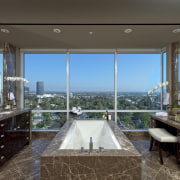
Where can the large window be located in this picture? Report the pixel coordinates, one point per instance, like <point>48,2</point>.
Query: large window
<point>1,77</point>
<point>92,81</point>
<point>48,120</point>
<point>136,75</point>
<point>47,89</point>
<point>134,120</point>
<point>48,77</point>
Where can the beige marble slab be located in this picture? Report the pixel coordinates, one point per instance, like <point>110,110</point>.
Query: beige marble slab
<point>74,164</point>
<point>13,113</point>
<point>167,120</point>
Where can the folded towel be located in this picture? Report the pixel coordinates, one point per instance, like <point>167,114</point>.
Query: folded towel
<point>161,114</point>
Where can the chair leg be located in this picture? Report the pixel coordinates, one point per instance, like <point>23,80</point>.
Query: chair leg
<point>160,152</point>
<point>175,149</point>
<point>151,143</point>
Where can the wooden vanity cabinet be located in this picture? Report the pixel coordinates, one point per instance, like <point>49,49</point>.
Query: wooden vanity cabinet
<point>14,134</point>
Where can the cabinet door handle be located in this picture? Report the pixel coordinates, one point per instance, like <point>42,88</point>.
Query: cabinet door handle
<point>2,157</point>
<point>2,125</point>
<point>2,135</point>
<point>2,146</point>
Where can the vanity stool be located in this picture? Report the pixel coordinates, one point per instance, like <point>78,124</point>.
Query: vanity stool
<point>161,135</point>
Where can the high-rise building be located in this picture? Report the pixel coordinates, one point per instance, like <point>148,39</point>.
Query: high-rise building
<point>26,91</point>
<point>40,88</point>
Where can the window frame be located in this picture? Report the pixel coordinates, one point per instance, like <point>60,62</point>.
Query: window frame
<point>84,51</point>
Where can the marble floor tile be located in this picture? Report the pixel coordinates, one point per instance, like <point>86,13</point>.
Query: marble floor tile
<point>151,167</point>
<point>26,164</point>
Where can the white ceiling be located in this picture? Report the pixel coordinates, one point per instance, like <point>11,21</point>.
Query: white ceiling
<point>13,12</point>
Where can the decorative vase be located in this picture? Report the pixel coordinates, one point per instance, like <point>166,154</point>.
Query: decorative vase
<point>172,111</point>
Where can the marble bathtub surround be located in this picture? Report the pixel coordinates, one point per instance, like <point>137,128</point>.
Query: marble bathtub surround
<point>136,133</point>
<point>49,135</point>
<point>75,164</point>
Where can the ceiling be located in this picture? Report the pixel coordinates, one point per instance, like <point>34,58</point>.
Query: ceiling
<point>152,23</point>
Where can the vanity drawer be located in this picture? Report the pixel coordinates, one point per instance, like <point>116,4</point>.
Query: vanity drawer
<point>2,126</point>
<point>2,147</point>
<point>2,136</point>
<point>2,158</point>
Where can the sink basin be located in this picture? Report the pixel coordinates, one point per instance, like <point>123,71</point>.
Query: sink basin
<point>5,112</point>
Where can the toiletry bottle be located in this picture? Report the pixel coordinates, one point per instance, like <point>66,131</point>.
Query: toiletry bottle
<point>106,115</point>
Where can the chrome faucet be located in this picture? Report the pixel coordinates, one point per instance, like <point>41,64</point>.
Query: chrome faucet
<point>82,149</point>
<point>100,149</point>
<point>90,145</point>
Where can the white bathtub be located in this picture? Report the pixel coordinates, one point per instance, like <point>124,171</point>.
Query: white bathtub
<point>81,130</point>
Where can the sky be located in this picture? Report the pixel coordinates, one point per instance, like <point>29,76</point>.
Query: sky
<point>138,72</point>
<point>93,72</point>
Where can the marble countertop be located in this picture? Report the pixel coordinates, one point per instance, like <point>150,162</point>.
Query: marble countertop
<point>12,113</point>
<point>167,120</point>
<point>127,147</point>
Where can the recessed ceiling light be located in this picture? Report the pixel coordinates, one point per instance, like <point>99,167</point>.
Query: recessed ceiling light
<point>56,30</point>
<point>3,30</point>
<point>176,31</point>
<point>127,31</point>
<point>90,33</point>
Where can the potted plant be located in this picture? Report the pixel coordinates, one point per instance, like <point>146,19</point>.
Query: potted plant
<point>173,109</point>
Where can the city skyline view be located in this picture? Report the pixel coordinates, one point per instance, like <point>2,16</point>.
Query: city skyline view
<point>93,72</point>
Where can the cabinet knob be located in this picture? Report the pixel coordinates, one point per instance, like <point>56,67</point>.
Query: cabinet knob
<point>14,128</point>
<point>2,157</point>
<point>2,135</point>
<point>2,125</point>
<point>27,122</point>
<point>2,146</point>
<point>27,138</point>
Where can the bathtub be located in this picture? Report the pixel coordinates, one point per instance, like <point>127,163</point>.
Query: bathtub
<point>81,130</point>
<point>63,158</point>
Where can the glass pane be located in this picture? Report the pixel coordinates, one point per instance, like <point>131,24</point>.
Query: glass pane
<point>179,75</point>
<point>92,81</point>
<point>136,75</point>
<point>9,89</point>
<point>48,78</point>
<point>133,120</point>
<point>48,120</point>
<point>164,79</point>
<point>92,116</point>
<point>1,77</point>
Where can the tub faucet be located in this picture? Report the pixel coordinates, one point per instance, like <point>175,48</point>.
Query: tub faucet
<point>101,149</point>
<point>82,149</point>
<point>90,145</point>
